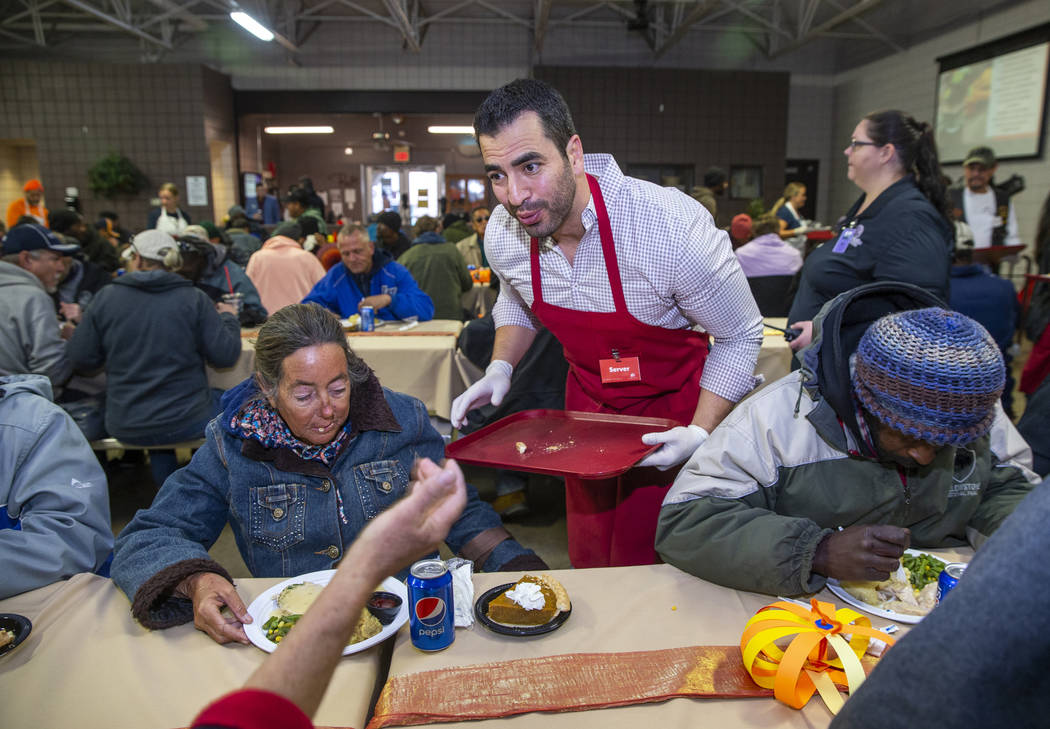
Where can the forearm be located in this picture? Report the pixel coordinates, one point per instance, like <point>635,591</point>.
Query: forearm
<point>711,409</point>
<point>302,666</point>
<point>511,343</point>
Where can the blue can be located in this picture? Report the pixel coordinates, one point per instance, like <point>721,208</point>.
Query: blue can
<point>431,614</point>
<point>368,319</point>
<point>949,579</point>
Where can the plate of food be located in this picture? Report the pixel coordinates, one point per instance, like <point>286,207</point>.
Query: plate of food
<point>534,605</point>
<point>276,611</point>
<point>907,597</point>
<point>14,629</point>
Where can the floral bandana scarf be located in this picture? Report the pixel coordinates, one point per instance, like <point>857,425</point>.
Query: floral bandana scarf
<point>260,422</point>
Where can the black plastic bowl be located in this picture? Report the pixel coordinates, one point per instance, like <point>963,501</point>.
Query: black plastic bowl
<point>17,624</point>
<point>385,606</point>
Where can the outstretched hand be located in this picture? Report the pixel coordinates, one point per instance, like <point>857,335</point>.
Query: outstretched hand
<point>416,524</point>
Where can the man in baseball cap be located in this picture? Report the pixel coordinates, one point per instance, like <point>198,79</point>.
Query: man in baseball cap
<point>786,493</point>
<point>979,203</point>
<point>30,339</point>
<point>31,204</point>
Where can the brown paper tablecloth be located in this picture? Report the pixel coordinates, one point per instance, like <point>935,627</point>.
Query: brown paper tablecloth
<point>88,664</point>
<point>418,362</point>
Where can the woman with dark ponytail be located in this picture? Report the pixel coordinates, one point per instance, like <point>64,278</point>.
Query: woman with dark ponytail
<point>900,229</point>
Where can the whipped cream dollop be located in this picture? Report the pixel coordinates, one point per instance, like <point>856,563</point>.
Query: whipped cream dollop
<point>528,595</point>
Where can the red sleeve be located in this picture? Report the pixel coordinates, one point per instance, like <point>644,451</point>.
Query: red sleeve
<point>253,709</point>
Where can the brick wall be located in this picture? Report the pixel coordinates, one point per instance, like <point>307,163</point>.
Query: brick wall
<point>78,112</point>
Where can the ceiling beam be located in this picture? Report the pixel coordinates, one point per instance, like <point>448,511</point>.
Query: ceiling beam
<point>701,11</point>
<point>543,14</point>
<point>399,12</point>
<point>172,9</point>
<point>126,27</point>
<point>873,30</point>
<point>862,6</point>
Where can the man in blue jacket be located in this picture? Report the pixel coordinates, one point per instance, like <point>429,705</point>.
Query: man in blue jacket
<point>390,288</point>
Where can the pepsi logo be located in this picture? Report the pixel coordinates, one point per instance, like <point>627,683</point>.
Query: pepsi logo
<point>430,610</point>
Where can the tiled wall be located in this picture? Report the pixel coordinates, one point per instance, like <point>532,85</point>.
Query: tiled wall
<point>78,112</point>
<point>809,129</point>
<point>908,81</point>
<point>708,118</point>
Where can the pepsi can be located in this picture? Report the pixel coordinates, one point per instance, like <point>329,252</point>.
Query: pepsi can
<point>949,579</point>
<point>368,319</point>
<point>431,615</point>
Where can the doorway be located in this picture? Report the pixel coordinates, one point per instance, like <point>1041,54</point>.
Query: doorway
<point>409,191</point>
<point>19,164</point>
<point>806,171</point>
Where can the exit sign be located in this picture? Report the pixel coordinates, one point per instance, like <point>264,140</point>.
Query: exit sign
<point>401,153</point>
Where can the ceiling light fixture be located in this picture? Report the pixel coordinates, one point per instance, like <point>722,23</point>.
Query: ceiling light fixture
<point>450,130</point>
<point>252,25</point>
<point>298,130</point>
<point>348,150</point>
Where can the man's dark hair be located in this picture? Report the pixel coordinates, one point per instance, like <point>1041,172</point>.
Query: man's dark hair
<point>298,195</point>
<point>714,177</point>
<point>109,215</point>
<point>507,103</point>
<point>61,221</point>
<point>308,225</point>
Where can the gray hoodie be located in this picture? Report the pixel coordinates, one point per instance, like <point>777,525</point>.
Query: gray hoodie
<point>54,501</point>
<point>29,329</point>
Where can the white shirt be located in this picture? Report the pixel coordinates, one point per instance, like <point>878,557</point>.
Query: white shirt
<point>983,218</point>
<point>677,269</point>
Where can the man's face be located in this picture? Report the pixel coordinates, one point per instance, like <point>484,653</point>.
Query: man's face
<point>904,450</point>
<point>479,220</point>
<point>356,251</point>
<point>79,230</point>
<point>294,208</point>
<point>47,266</point>
<point>978,177</point>
<point>33,197</point>
<point>530,176</point>
<point>260,191</point>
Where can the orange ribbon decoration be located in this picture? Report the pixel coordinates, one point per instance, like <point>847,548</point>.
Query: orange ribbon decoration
<point>806,665</point>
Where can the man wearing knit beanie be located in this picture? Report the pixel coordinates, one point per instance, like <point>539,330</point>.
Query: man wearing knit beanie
<point>784,495</point>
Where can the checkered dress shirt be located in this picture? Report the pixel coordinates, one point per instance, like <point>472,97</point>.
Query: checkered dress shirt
<point>678,271</point>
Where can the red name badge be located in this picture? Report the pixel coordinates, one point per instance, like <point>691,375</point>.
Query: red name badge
<point>626,369</point>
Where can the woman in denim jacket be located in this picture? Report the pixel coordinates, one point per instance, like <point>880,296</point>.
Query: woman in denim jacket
<point>302,457</point>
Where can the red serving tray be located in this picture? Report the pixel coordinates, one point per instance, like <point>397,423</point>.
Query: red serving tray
<point>560,443</point>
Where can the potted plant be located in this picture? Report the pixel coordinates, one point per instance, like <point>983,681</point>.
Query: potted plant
<point>115,175</point>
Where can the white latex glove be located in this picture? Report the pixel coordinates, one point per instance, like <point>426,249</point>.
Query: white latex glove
<point>490,389</point>
<point>678,444</point>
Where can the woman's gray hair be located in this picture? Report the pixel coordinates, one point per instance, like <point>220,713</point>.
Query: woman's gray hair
<point>292,328</point>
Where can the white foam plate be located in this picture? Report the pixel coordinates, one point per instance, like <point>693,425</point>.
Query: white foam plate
<point>840,593</point>
<point>265,604</point>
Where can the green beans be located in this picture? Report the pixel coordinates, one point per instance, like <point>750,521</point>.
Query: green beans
<point>923,569</point>
<point>278,626</point>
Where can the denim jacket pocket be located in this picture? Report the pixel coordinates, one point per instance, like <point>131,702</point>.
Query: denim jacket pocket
<point>278,514</point>
<point>379,484</point>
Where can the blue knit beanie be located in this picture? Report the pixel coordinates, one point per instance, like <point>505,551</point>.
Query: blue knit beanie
<point>931,373</point>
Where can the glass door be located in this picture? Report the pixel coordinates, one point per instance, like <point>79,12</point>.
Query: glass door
<point>408,190</point>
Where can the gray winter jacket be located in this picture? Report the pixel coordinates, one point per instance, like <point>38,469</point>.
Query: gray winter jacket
<point>29,331</point>
<point>54,500</point>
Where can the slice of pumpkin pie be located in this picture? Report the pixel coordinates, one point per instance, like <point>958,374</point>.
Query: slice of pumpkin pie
<point>532,600</point>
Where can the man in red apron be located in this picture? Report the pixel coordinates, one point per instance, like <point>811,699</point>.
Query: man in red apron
<point>619,270</point>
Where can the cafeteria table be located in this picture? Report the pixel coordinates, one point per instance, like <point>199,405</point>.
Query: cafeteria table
<point>88,664</point>
<point>421,361</point>
<point>618,609</point>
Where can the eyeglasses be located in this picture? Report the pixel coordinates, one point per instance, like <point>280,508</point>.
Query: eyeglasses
<point>854,143</point>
